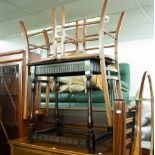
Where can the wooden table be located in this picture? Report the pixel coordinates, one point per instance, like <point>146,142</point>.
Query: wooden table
<point>85,65</point>
<point>22,147</point>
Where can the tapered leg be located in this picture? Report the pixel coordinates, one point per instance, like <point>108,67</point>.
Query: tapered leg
<point>90,135</point>
<point>33,87</point>
<point>56,106</point>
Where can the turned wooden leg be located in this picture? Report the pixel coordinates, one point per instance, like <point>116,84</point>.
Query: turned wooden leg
<point>56,106</point>
<point>31,125</point>
<point>90,135</point>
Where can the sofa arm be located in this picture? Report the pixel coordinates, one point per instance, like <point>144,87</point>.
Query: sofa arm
<point>124,86</point>
<point>125,74</point>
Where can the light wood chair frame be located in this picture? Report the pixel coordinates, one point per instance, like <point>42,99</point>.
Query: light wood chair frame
<point>66,39</point>
<point>30,48</point>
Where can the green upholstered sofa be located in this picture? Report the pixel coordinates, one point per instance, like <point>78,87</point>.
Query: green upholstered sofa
<point>67,99</point>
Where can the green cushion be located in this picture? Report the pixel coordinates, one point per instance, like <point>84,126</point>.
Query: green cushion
<point>73,104</point>
<point>63,97</point>
<point>81,97</point>
<point>52,104</point>
<point>97,97</point>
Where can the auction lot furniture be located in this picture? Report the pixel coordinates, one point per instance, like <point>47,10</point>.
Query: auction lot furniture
<point>59,63</point>
<point>51,48</point>
<point>86,60</point>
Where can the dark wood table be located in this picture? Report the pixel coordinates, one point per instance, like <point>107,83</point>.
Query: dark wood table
<point>85,65</point>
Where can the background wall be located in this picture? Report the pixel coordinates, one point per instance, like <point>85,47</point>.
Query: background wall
<point>140,55</point>
<point>10,45</point>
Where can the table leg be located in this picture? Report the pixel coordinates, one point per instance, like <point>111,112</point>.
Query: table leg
<point>90,135</point>
<point>31,125</point>
<point>56,106</point>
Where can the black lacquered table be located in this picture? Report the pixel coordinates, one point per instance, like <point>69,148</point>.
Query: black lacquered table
<point>67,67</point>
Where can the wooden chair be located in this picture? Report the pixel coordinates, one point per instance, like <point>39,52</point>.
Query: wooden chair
<point>98,50</point>
<point>127,124</point>
<point>31,48</point>
<point>123,128</point>
<point>136,148</point>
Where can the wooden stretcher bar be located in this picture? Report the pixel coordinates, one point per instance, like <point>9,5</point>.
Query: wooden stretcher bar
<point>96,48</point>
<point>36,47</point>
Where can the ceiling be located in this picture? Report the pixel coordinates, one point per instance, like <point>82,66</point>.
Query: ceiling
<point>138,22</point>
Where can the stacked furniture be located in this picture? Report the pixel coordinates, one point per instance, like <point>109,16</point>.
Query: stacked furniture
<point>78,64</point>
<point>86,60</point>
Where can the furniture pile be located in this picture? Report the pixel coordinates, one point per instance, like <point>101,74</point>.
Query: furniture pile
<point>86,56</point>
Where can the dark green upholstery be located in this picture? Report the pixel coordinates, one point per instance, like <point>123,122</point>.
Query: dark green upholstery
<point>68,99</point>
<point>125,80</point>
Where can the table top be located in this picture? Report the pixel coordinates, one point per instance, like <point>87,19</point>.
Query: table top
<point>108,59</point>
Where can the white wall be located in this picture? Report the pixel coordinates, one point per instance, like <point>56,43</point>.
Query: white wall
<point>11,45</point>
<point>140,55</point>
